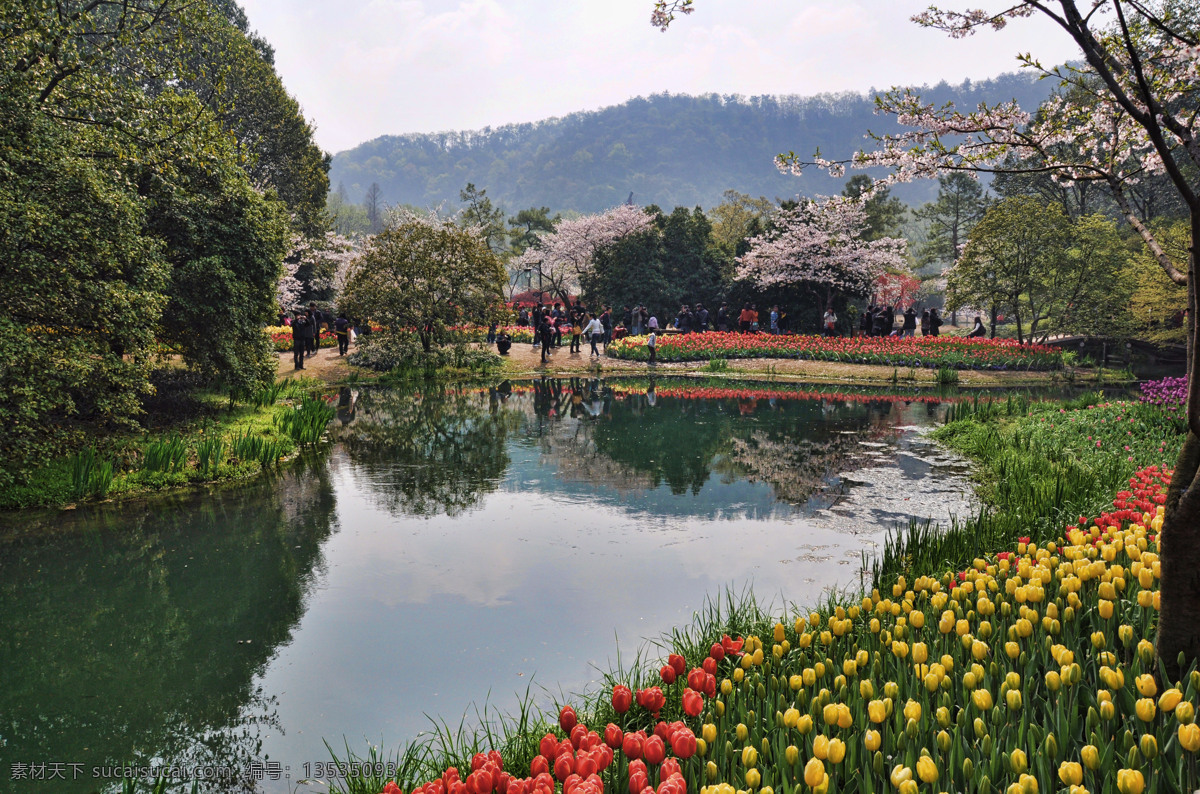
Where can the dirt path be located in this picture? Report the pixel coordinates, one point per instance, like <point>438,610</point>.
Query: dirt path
<point>325,365</point>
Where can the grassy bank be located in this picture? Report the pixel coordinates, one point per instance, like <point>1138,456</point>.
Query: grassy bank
<point>209,442</point>
<point>963,667</point>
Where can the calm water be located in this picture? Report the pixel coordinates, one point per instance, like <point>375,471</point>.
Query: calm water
<point>450,545</point>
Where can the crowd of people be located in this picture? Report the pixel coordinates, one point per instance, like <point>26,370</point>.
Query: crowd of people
<point>881,321</point>
<point>307,324</point>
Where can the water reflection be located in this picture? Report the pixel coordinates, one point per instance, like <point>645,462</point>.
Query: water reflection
<point>239,626</point>
<point>136,633</point>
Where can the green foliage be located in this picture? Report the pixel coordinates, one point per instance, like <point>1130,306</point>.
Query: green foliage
<point>1051,273</point>
<point>168,455</point>
<point>210,453</point>
<point>91,475</point>
<point>479,213</point>
<point>674,262</point>
<point>959,206</point>
<point>1157,304</point>
<point>81,290</point>
<point>425,274</point>
<point>884,211</point>
<point>306,422</point>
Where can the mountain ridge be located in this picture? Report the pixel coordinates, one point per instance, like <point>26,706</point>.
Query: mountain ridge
<point>667,149</point>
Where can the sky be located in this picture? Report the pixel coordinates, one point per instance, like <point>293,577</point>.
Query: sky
<point>365,68</point>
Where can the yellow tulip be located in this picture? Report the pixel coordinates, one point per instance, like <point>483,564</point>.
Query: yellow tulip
<point>1053,681</point>
<point>709,732</point>
<point>982,699</point>
<point>1146,686</point>
<point>814,772</point>
<point>926,769</point>
<point>804,725</point>
<point>1148,746</point>
<point>791,754</point>
<point>1070,773</point>
<point>1189,737</point>
<point>1013,699</point>
<point>845,718</point>
<point>1130,781</point>
<point>1145,709</point>
<point>749,757</point>
<point>778,632</point>
<point>830,714</point>
<point>753,778</point>
<point>837,751</point>
<point>1090,756</point>
<point>872,740</point>
<point>912,710</point>
<point>1185,712</point>
<point>900,774</point>
<point>1170,699</point>
<point>821,746</point>
<point>1019,762</point>
<point>877,711</point>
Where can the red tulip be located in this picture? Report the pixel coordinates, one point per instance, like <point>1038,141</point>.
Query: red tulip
<point>567,718</point>
<point>565,748</point>
<point>654,700</point>
<point>637,782</point>
<point>457,787</point>
<point>564,766</point>
<point>613,736</point>
<point>655,750</point>
<point>622,698</point>
<point>450,776</point>
<point>585,765</point>
<point>502,782</point>
<point>578,734</point>
<point>693,703</point>
<point>695,679</point>
<point>669,769</point>
<point>571,783</point>
<point>548,745</point>
<point>592,740</point>
<point>710,686</point>
<point>638,765</point>
<point>667,674</point>
<point>477,761</point>
<point>709,665</point>
<point>631,745</point>
<point>677,661</point>
<point>605,758</point>
<point>683,744</point>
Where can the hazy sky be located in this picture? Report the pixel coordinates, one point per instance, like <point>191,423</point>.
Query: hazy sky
<point>364,68</point>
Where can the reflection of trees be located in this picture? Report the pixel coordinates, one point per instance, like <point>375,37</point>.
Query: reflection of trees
<point>136,632</point>
<point>431,452</point>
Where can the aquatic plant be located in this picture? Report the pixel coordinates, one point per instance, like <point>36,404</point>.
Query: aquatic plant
<point>210,453</point>
<point>165,456</point>
<point>306,422</point>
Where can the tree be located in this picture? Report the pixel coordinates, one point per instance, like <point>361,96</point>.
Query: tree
<point>373,204</point>
<point>820,246</point>
<point>525,226</point>
<point>1157,304</point>
<point>884,212</point>
<point>480,213</point>
<point>81,289</point>
<point>318,266</point>
<point>563,257</point>
<point>738,218</point>
<point>428,274</point>
<point>1130,112</point>
<point>959,206</point>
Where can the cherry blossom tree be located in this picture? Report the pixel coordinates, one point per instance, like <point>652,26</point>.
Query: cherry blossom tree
<point>1129,110</point>
<point>819,244</point>
<point>563,256</point>
<point>316,265</point>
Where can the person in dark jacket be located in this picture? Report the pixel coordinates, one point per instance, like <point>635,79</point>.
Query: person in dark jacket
<point>978,331</point>
<point>341,327</point>
<point>723,317</point>
<point>935,322</point>
<point>910,322</point>
<point>301,330</point>
<point>925,323</point>
<point>545,335</point>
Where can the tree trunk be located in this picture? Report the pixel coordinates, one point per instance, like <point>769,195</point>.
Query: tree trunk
<point>992,312</point>
<point>1179,540</point>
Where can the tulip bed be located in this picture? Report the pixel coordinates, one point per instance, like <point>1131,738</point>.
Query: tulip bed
<point>920,351</point>
<point>281,337</point>
<point>1031,670</point>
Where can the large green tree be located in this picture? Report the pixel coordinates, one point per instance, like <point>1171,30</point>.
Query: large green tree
<point>959,206</point>
<point>428,274</point>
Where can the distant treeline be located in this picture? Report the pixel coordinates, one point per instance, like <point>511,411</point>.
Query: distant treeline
<point>669,150</point>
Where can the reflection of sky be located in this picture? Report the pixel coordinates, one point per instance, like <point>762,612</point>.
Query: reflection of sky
<point>541,583</point>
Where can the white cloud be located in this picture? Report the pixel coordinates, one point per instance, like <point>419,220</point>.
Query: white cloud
<point>364,68</point>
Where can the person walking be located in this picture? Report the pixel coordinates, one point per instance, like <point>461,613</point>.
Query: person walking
<point>701,318</point>
<point>300,330</point>
<point>576,330</point>
<point>319,321</point>
<point>652,323</point>
<point>546,337</point>
<point>745,318</point>
<point>935,322</point>
<point>652,346</point>
<point>829,322</point>
<point>723,318</point>
<point>341,327</point>
<point>925,323</point>
<point>774,320</point>
<point>606,322</point>
<point>594,331</point>
<point>910,322</point>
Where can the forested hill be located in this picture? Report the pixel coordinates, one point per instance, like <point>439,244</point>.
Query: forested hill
<point>670,150</point>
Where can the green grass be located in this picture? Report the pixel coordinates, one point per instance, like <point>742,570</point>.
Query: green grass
<point>217,444</point>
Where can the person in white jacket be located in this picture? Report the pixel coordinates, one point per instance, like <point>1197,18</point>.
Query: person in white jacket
<point>594,332</point>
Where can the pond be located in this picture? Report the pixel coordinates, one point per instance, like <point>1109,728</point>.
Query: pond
<point>453,547</point>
